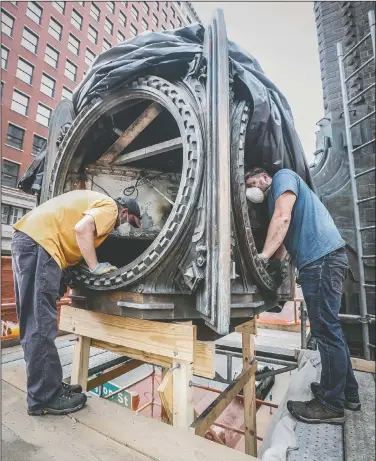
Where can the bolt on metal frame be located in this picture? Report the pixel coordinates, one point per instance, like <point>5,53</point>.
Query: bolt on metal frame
<point>364,317</point>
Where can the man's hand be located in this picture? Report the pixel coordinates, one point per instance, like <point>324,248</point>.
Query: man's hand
<point>263,258</point>
<point>103,268</point>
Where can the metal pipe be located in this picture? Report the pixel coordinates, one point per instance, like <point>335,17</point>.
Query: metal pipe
<point>354,196</point>
<point>241,397</point>
<point>362,173</point>
<point>359,69</point>
<point>278,371</point>
<point>238,431</point>
<point>368,143</point>
<point>355,46</point>
<point>128,385</point>
<point>372,26</point>
<point>368,199</point>
<point>257,357</point>
<point>351,100</point>
<point>363,118</point>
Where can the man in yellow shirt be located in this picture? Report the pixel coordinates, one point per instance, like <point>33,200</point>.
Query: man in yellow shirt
<point>53,236</point>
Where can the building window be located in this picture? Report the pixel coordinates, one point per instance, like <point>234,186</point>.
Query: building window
<point>29,40</point>
<point>172,12</point>
<point>145,25</point>
<point>125,4</point>
<point>20,102</point>
<point>7,23</point>
<point>145,7</point>
<point>155,20</point>
<point>106,45</point>
<point>9,174</point>
<point>15,136</point>
<point>14,3</point>
<point>74,44</point>
<point>89,56</point>
<point>51,57</point>
<point>34,11</point>
<point>55,29</point>
<point>122,19</point>
<point>92,35</point>
<point>38,143</point>
<point>179,22</point>
<point>108,26</point>
<point>66,93</point>
<point>189,20</point>
<point>111,7</point>
<point>11,214</point>
<point>25,71</point>
<point>4,57</point>
<point>164,14</point>
<point>70,70</point>
<point>156,5</point>
<point>172,25</point>
<point>133,30</point>
<point>95,12</point>
<point>1,91</point>
<point>120,37</point>
<point>81,3</point>
<point>60,6</point>
<point>47,85</point>
<point>43,115</point>
<point>134,12</point>
<point>76,20</point>
<point>163,28</point>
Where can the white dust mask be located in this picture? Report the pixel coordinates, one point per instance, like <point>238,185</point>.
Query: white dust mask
<point>255,195</point>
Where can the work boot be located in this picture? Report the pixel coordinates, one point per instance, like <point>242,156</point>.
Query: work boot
<point>71,387</point>
<point>313,412</point>
<point>351,403</point>
<point>66,402</point>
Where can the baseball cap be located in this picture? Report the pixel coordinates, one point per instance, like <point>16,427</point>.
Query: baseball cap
<point>129,203</point>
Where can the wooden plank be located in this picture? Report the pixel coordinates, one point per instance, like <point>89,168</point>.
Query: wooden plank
<point>158,441</point>
<point>182,402</point>
<point>207,418</point>
<point>53,438</point>
<point>150,151</point>
<point>249,392</point>
<point>203,364</point>
<point>247,327</point>
<point>369,366</point>
<point>113,373</point>
<point>131,133</point>
<point>165,391</point>
<point>168,339</point>
<point>80,362</point>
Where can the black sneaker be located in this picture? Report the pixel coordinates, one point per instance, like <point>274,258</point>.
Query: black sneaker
<point>66,402</point>
<point>313,412</point>
<point>351,403</point>
<point>71,387</point>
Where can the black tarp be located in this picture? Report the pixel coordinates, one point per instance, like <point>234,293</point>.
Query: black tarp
<point>272,141</point>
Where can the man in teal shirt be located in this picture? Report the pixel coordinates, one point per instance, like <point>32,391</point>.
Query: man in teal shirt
<point>301,224</point>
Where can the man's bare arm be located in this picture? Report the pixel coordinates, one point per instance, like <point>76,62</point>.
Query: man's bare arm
<point>280,253</point>
<point>85,232</point>
<point>279,224</point>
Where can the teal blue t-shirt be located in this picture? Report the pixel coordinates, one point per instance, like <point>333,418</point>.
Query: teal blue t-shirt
<point>312,233</point>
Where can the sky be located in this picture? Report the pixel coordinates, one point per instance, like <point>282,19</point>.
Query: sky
<point>282,37</point>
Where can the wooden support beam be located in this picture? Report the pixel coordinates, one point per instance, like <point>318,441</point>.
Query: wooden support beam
<point>150,151</point>
<point>248,327</point>
<point>167,339</point>
<point>249,392</point>
<point>368,366</point>
<point>183,410</point>
<point>165,391</point>
<point>80,362</point>
<point>207,418</point>
<point>113,373</point>
<point>203,363</point>
<point>131,133</point>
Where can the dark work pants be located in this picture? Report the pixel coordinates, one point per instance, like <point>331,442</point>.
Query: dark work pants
<point>321,283</point>
<point>37,280</point>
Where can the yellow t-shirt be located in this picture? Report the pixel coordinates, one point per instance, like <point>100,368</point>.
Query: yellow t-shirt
<point>52,223</point>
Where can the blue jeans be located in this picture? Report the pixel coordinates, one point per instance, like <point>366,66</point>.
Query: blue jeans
<point>321,283</point>
<point>36,284</point>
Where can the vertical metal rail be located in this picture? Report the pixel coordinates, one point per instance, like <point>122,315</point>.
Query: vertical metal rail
<point>353,175</point>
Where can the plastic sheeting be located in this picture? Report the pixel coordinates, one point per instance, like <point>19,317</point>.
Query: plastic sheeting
<point>272,141</point>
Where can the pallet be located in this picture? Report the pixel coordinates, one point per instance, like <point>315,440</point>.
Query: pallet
<point>174,347</point>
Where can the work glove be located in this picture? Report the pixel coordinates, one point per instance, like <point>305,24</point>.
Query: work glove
<point>274,267</point>
<point>103,268</point>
